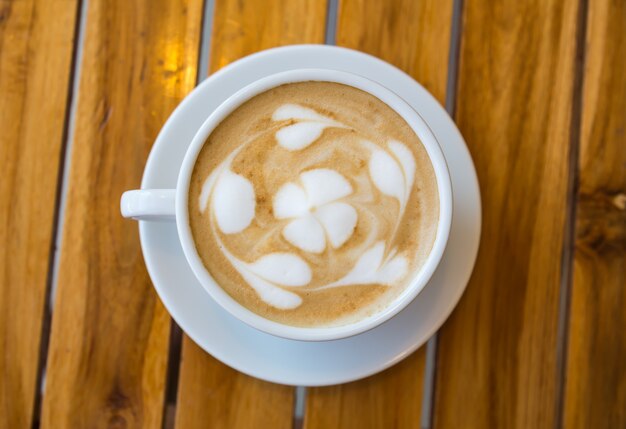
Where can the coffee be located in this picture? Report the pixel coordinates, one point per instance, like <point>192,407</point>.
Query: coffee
<point>313,204</point>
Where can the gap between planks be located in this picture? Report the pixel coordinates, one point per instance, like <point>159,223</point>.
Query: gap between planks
<point>567,258</point>
<point>176,333</point>
<point>428,403</point>
<point>61,199</point>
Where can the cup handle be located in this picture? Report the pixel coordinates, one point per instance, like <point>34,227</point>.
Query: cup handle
<point>149,204</point>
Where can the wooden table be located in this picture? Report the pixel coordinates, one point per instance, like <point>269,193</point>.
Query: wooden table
<point>538,89</point>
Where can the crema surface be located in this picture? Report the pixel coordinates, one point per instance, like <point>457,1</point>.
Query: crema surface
<point>313,204</point>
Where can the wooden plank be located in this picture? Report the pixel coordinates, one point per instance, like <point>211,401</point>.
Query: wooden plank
<point>391,399</point>
<point>109,345</point>
<point>242,28</point>
<point>414,36</point>
<point>497,353</point>
<point>595,390</point>
<point>35,69</point>
<point>216,396</point>
<point>209,392</point>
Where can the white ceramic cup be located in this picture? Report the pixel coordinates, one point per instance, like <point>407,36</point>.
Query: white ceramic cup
<point>172,204</point>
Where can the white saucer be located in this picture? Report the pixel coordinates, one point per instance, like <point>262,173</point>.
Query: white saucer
<point>293,362</point>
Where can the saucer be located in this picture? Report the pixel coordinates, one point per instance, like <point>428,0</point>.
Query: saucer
<point>277,359</point>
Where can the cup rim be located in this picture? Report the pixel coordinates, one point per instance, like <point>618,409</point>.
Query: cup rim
<point>421,277</point>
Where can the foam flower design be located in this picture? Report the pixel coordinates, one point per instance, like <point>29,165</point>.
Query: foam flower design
<point>317,216</point>
<point>306,128</point>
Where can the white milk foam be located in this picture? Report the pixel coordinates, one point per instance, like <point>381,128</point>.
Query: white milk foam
<point>309,127</point>
<point>319,206</point>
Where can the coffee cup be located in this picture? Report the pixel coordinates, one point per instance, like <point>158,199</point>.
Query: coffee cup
<point>173,205</point>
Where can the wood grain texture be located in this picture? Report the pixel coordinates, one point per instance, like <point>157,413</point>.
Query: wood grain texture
<point>35,69</point>
<point>109,345</point>
<point>497,353</point>
<point>391,399</point>
<point>216,396</point>
<point>209,392</point>
<point>414,36</point>
<point>595,390</point>
<point>241,28</point>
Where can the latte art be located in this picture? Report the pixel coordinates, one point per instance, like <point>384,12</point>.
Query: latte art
<point>315,210</point>
<point>312,203</point>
